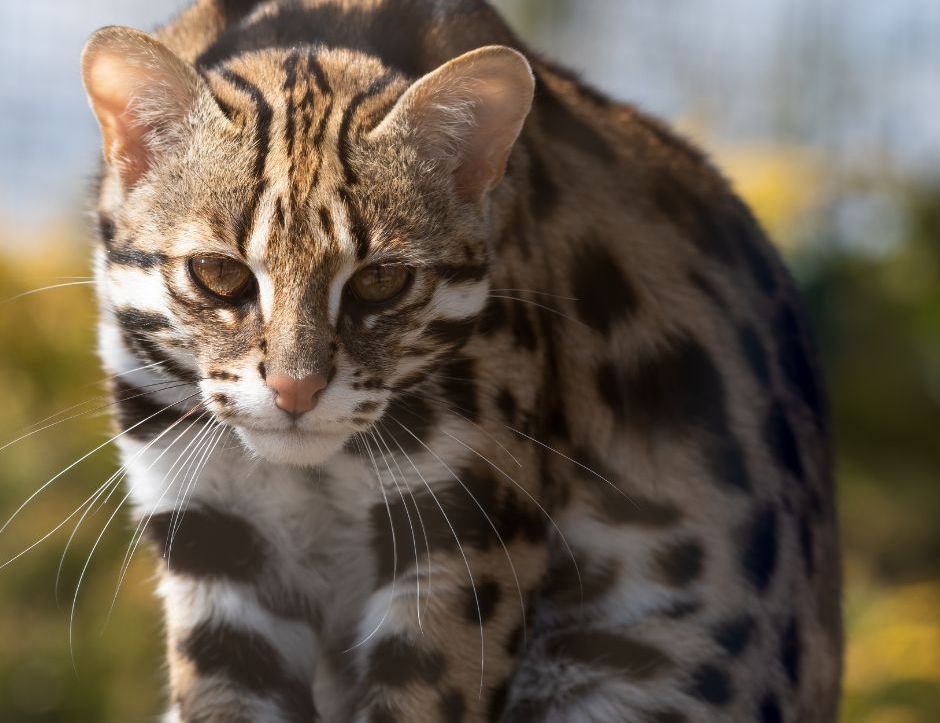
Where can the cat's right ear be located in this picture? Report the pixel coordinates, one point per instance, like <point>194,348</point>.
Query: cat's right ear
<point>141,94</point>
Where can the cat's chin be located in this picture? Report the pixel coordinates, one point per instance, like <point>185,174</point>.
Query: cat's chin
<point>292,447</point>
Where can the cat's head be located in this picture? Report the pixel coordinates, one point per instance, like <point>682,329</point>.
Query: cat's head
<point>302,233</point>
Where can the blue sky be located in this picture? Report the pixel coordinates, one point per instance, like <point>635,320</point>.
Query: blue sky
<point>860,80</point>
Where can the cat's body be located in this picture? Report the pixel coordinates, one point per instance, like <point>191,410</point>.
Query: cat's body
<point>600,353</point>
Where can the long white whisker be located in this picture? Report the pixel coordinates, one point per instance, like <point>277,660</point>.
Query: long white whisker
<point>45,288</point>
<point>67,469</point>
<point>538,504</point>
<point>541,306</point>
<point>391,529</point>
<point>466,562</point>
<point>377,436</point>
<point>145,519</point>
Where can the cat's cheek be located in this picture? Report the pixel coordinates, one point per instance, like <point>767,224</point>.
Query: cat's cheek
<point>293,448</point>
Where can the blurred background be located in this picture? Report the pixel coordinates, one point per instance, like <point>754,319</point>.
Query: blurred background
<point>826,115</point>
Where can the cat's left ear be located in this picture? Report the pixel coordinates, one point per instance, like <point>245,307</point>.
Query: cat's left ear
<point>141,94</point>
<point>468,114</point>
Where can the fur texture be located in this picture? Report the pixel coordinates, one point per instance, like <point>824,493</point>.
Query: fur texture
<point>578,471</point>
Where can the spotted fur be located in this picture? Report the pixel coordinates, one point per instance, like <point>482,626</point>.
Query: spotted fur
<point>577,472</point>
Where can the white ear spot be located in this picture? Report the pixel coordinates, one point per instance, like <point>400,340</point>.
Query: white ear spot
<point>468,113</point>
<point>141,94</point>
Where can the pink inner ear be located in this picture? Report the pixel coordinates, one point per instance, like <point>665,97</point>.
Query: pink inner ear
<point>112,85</point>
<point>487,144</point>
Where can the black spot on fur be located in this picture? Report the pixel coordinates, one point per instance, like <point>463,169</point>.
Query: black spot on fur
<point>615,508</point>
<point>523,330</point>
<point>681,563</point>
<point>367,407</point>
<point>780,437</point>
<point>699,216</point>
<point>791,651</point>
<point>680,392</point>
<point>734,634</point>
<point>567,126</point>
<point>494,317</point>
<point>453,707</point>
<point>759,555</point>
<point>488,594</point>
<point>712,684</point>
<point>497,704</point>
<point>544,191</point>
<point>262,370</point>
<point>459,389</point>
<point>604,296</point>
<point>563,584</point>
<point>754,352</point>
<point>795,363</point>
<point>770,709</point>
<point>248,662</point>
<point>628,656</point>
<point>506,403</point>
<point>204,542</point>
<point>396,663</point>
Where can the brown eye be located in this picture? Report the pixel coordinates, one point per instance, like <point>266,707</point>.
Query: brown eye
<point>222,277</point>
<point>379,283</point>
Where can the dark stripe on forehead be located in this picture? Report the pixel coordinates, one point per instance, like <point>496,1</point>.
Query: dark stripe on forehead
<point>316,70</point>
<point>345,128</point>
<point>357,226</point>
<point>262,142</point>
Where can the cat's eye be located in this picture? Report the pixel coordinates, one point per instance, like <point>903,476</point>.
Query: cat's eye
<point>380,283</point>
<point>225,278</point>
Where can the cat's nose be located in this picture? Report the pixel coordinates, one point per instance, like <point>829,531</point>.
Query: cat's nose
<point>296,396</point>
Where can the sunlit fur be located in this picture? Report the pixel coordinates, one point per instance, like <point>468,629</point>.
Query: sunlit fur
<point>577,471</point>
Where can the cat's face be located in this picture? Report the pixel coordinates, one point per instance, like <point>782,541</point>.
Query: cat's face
<point>308,242</point>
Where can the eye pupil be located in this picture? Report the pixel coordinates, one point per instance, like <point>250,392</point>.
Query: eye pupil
<point>222,277</point>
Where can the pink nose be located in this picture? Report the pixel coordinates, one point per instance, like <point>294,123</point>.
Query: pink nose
<point>296,396</point>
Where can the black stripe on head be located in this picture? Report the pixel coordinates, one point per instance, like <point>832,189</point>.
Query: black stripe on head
<point>316,70</point>
<point>208,543</point>
<point>357,226</point>
<point>345,128</point>
<point>136,330</point>
<point>135,321</point>
<point>139,415</point>
<point>262,143</point>
<point>248,662</point>
<point>128,256</point>
<point>106,229</point>
<point>461,273</point>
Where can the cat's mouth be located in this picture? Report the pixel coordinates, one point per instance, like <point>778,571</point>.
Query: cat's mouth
<point>293,445</point>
